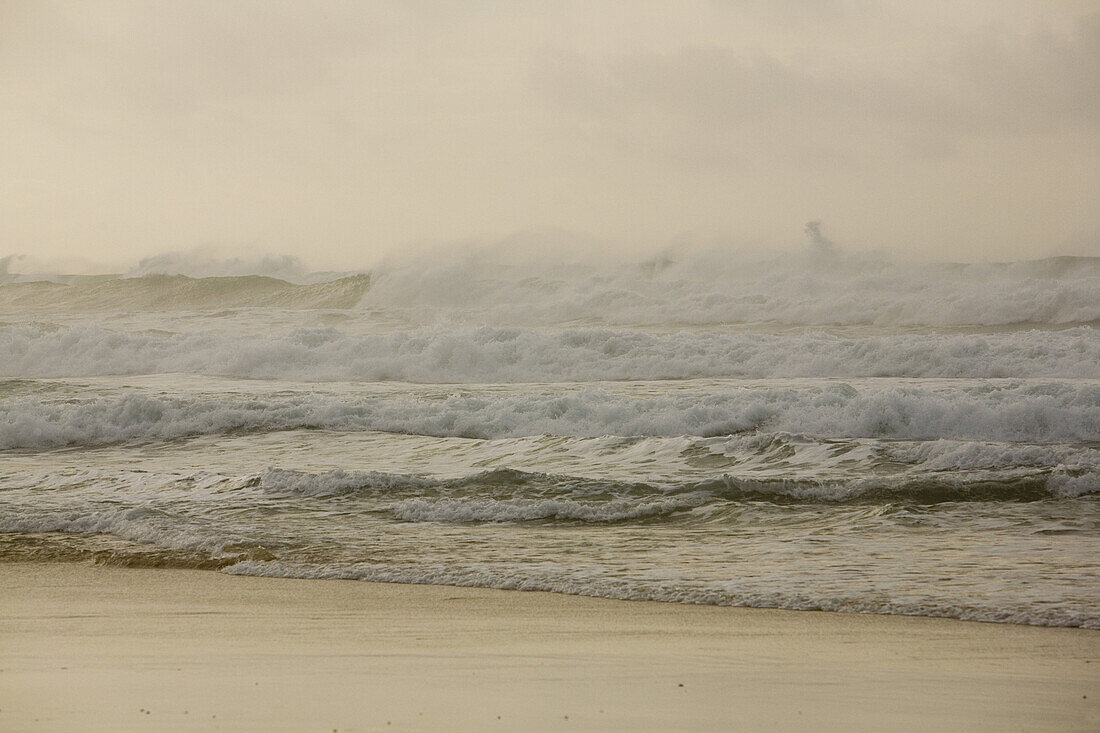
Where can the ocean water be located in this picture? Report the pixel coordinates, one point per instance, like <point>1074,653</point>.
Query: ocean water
<point>839,433</point>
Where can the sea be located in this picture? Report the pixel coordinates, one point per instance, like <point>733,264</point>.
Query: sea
<point>811,430</point>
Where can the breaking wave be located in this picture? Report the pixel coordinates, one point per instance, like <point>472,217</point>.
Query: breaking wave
<point>678,288</point>
<point>513,355</point>
<point>712,288</point>
<point>1032,412</point>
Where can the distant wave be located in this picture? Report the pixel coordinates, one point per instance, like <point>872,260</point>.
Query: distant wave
<point>707,289</point>
<point>680,289</point>
<point>497,355</point>
<point>179,292</point>
<point>1034,412</point>
<point>205,264</point>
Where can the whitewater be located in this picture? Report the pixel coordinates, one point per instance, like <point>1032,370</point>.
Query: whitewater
<point>811,431</point>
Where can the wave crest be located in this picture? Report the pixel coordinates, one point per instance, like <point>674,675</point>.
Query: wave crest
<point>516,355</point>
<point>1013,412</point>
<point>180,292</point>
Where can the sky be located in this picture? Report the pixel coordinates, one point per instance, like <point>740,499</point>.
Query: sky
<point>341,132</point>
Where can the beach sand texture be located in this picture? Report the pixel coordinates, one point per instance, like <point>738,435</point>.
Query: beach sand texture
<point>101,649</point>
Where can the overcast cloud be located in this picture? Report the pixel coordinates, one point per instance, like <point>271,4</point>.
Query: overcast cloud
<point>338,132</point>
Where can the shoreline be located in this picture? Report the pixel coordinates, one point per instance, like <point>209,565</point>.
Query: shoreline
<point>100,648</point>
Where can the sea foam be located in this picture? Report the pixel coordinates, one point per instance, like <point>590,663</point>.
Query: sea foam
<point>1010,412</point>
<point>516,355</point>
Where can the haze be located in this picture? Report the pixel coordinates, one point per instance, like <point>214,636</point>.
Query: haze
<point>343,132</point>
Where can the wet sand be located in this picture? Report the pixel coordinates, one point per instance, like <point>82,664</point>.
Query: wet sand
<point>92,648</point>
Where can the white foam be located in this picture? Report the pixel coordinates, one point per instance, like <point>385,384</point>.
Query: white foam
<point>139,524</point>
<point>516,355</point>
<point>715,287</point>
<point>1031,412</point>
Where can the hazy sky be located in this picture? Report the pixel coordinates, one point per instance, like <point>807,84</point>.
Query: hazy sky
<point>336,131</point>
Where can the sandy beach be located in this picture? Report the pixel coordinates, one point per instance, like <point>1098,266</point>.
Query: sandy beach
<point>95,648</point>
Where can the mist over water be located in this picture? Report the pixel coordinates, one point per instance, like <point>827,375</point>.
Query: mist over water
<point>814,429</point>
